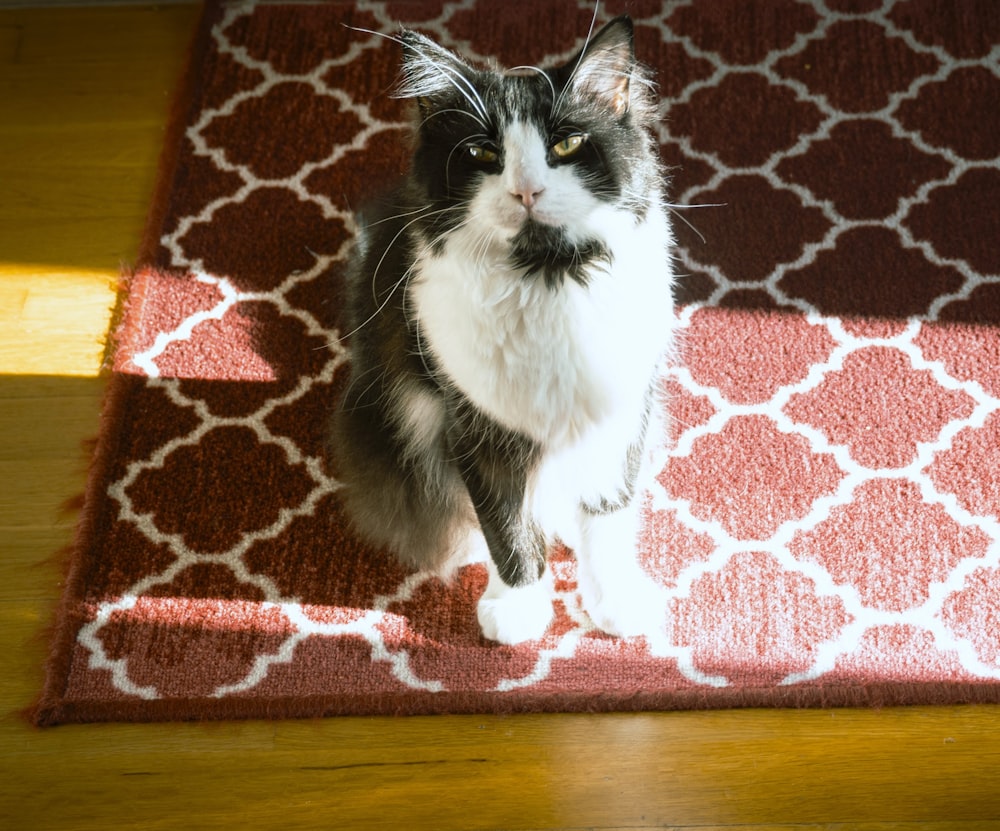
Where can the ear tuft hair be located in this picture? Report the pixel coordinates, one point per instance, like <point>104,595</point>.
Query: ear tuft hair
<point>606,70</point>
<point>437,77</point>
<point>428,69</point>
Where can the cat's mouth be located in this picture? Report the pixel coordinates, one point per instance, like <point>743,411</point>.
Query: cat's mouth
<point>524,216</point>
<point>547,251</point>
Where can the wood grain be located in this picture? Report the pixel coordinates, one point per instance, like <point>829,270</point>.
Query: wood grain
<point>83,98</point>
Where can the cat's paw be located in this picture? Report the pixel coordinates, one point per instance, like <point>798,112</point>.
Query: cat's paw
<point>514,615</point>
<point>626,608</point>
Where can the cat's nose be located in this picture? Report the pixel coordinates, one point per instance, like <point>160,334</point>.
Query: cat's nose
<point>528,195</point>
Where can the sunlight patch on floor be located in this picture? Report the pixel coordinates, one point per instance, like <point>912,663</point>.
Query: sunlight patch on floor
<point>55,319</point>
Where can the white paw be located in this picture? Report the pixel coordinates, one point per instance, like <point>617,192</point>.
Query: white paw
<point>625,607</point>
<point>513,615</point>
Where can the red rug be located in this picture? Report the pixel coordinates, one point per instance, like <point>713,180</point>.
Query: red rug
<point>827,519</point>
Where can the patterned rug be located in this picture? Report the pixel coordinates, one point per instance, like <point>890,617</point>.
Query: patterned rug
<point>827,519</point>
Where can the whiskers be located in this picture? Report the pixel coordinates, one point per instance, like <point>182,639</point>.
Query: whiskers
<point>677,210</point>
<point>557,104</point>
<point>414,216</point>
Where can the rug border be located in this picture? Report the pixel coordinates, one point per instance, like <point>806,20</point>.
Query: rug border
<point>50,707</point>
<point>416,703</point>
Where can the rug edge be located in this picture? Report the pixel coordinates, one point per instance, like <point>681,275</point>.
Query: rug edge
<point>871,696</point>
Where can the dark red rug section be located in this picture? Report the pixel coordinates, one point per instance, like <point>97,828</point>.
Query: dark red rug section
<point>826,523</point>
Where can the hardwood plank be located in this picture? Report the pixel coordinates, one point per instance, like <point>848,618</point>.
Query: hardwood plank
<point>85,96</point>
<point>81,129</point>
<point>48,414</point>
<point>680,770</point>
<point>86,176</point>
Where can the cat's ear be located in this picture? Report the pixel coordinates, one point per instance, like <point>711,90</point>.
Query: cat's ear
<point>430,73</point>
<point>605,66</point>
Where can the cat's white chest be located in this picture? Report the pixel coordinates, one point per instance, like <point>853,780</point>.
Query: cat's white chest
<point>548,362</point>
<point>512,346</point>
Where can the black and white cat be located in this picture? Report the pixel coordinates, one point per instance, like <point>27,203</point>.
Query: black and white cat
<point>508,309</point>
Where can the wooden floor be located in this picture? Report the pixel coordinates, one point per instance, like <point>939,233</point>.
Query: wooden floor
<point>83,94</point>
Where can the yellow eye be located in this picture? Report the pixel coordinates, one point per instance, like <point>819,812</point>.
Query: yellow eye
<point>480,154</point>
<point>569,145</point>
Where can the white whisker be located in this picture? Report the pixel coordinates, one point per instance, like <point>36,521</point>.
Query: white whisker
<point>675,210</point>
<point>423,214</point>
<point>544,75</point>
<point>373,32</point>
<point>583,53</point>
<point>470,93</point>
<point>397,216</point>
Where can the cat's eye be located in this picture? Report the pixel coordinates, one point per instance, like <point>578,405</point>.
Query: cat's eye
<point>569,145</point>
<point>480,154</point>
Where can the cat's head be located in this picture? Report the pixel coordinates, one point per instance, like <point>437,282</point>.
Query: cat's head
<point>532,157</point>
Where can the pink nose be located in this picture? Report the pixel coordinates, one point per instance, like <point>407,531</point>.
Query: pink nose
<point>528,195</point>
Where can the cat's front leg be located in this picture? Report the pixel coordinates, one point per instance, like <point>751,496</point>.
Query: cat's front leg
<point>618,595</point>
<point>517,603</point>
<point>495,465</point>
<point>615,590</point>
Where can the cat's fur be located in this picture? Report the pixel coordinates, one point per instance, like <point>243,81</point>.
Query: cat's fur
<point>508,310</point>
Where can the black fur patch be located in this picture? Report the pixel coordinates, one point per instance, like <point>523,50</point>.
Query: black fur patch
<point>545,250</point>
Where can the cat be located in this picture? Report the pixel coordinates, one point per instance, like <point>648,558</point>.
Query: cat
<point>509,307</point>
